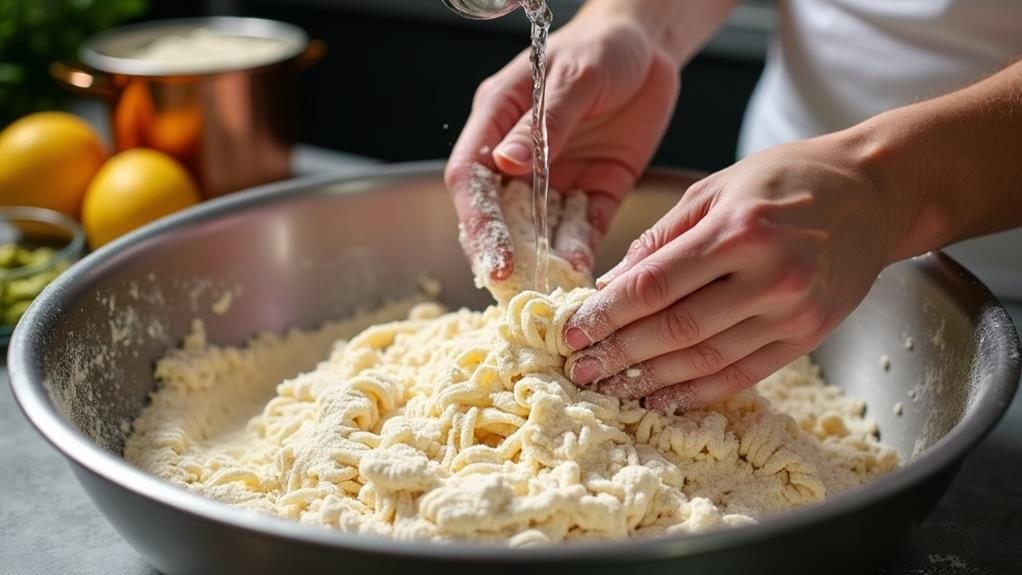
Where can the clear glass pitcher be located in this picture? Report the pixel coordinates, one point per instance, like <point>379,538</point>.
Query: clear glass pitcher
<point>483,9</point>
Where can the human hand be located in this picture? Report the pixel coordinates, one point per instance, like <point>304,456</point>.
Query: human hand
<point>610,94</point>
<point>750,270</point>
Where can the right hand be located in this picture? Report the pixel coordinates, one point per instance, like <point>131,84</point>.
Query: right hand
<point>750,270</point>
<point>610,94</point>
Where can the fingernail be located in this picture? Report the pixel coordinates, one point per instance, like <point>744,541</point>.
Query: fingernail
<point>515,152</point>
<point>602,281</point>
<point>576,339</point>
<point>585,371</point>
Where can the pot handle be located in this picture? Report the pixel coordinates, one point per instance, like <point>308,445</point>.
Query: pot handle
<point>311,56</point>
<point>82,81</point>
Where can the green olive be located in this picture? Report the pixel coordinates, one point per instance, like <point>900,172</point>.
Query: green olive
<point>8,255</point>
<point>17,294</point>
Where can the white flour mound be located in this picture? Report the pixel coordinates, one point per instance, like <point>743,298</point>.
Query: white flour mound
<point>203,49</point>
<point>462,426</point>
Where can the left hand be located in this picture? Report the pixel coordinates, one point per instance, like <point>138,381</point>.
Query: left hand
<point>610,94</point>
<point>749,271</point>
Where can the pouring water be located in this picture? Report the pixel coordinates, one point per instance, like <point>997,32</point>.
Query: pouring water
<point>540,16</point>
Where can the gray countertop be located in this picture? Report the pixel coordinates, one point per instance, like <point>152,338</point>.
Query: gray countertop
<point>48,524</point>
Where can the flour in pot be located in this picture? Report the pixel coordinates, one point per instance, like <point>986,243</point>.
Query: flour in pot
<point>462,426</point>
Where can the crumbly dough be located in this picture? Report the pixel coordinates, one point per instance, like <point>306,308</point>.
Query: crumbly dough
<point>462,426</point>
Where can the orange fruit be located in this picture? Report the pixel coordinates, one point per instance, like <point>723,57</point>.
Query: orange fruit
<point>132,189</point>
<point>47,160</point>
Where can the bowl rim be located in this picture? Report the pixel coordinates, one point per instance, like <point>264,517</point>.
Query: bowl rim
<point>91,52</point>
<point>1000,374</point>
<point>69,251</point>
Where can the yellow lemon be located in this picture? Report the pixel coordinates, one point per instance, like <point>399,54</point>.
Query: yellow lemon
<point>132,189</point>
<point>47,160</point>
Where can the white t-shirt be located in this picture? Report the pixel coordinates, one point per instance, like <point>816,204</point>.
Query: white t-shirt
<point>835,63</point>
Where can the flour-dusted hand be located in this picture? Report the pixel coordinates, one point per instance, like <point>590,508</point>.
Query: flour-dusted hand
<point>610,93</point>
<point>757,263</point>
<point>746,273</point>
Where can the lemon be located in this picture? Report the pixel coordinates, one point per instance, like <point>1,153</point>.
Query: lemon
<point>47,160</point>
<point>132,189</point>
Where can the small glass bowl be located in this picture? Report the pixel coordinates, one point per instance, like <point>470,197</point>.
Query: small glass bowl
<point>35,228</point>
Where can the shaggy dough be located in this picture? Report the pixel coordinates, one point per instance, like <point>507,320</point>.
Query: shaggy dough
<point>462,425</point>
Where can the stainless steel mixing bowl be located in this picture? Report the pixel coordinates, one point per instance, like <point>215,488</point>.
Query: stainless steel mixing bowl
<point>298,253</point>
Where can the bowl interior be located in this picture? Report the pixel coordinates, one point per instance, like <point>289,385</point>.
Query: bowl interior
<point>915,351</point>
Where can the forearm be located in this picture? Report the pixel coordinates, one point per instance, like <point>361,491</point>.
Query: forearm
<point>679,27</point>
<point>950,166</point>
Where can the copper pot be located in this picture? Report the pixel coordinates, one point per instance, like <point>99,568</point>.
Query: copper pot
<point>230,126</point>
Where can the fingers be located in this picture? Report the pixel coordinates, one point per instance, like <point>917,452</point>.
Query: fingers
<point>674,271</point>
<point>570,93</point>
<point>585,220</point>
<point>606,158</point>
<point>736,377</point>
<point>702,359</point>
<point>573,238</point>
<point>681,218</point>
<point>484,235</point>
<point>706,313</point>
<point>499,103</point>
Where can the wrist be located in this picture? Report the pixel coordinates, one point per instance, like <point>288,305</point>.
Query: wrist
<point>679,28</point>
<point>882,150</point>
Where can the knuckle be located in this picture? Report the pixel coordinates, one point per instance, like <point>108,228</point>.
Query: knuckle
<point>706,359</point>
<point>647,243</point>
<point>804,343</point>
<point>574,73</point>
<point>554,124</point>
<point>596,323</point>
<point>699,188</point>
<point>811,319</point>
<point>735,379</point>
<point>755,227</point>
<point>648,286</point>
<point>640,245</point>
<point>679,327</point>
<point>506,105</point>
<point>615,354</point>
<point>487,89</point>
<point>797,279</point>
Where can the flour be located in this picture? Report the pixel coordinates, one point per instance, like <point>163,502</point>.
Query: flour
<point>462,426</point>
<point>203,50</point>
<point>222,306</point>
<point>490,242</point>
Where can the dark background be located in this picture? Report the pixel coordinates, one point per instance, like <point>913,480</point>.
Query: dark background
<point>391,82</point>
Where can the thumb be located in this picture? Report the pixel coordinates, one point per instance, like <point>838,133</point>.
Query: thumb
<point>569,97</point>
